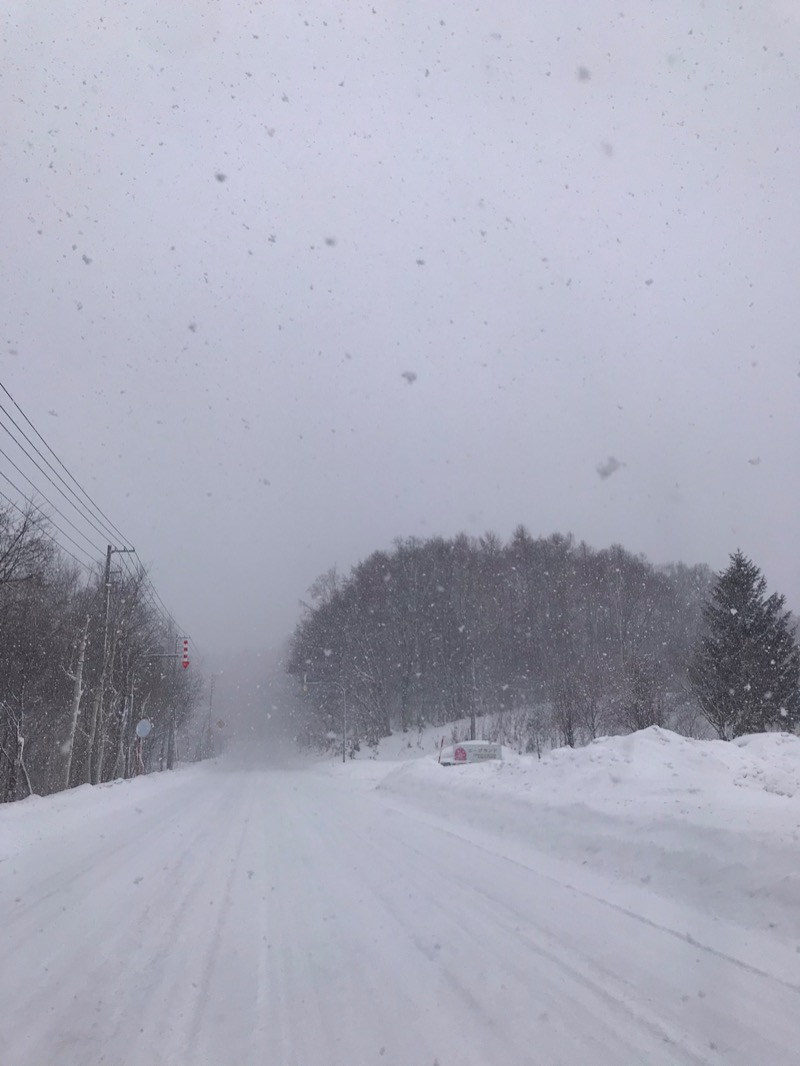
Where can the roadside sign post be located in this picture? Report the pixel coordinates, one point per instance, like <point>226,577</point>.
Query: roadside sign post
<point>144,728</point>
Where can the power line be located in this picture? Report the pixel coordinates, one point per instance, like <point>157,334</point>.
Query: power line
<point>148,588</point>
<point>155,592</point>
<point>46,517</point>
<point>84,513</point>
<point>169,614</point>
<point>44,497</point>
<point>151,594</point>
<point>85,516</point>
<point>81,508</point>
<point>99,510</point>
<point>50,536</point>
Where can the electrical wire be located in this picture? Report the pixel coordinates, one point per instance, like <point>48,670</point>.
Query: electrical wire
<point>47,517</point>
<point>149,591</point>
<point>80,511</point>
<point>80,507</point>
<point>49,536</point>
<point>98,509</point>
<point>154,594</point>
<point>58,510</point>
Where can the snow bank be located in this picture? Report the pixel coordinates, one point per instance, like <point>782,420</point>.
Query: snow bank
<point>664,763</point>
<point>772,763</point>
<point>39,818</point>
<point>714,824</point>
<point>615,770</point>
<point>654,767</point>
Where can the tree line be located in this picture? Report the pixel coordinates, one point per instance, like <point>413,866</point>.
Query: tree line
<point>81,662</point>
<point>569,641</point>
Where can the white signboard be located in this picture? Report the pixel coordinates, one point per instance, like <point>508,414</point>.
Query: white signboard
<point>471,751</point>
<point>144,728</point>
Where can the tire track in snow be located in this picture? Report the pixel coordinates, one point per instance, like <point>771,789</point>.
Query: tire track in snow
<point>212,947</point>
<point>602,900</point>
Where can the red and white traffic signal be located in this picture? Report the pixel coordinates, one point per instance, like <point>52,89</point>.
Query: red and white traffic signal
<point>185,656</point>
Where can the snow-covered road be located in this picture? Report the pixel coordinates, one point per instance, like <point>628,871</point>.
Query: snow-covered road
<point>301,918</point>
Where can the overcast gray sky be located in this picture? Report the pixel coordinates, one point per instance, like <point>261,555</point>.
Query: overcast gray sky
<point>234,232</point>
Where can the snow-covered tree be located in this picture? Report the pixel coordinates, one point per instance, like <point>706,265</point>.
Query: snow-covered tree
<point>442,629</point>
<point>746,668</point>
<point>53,726</point>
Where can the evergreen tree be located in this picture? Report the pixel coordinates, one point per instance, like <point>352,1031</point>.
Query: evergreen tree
<point>746,669</point>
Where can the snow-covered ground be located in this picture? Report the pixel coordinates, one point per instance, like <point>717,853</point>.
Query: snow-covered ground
<point>713,824</point>
<point>633,902</point>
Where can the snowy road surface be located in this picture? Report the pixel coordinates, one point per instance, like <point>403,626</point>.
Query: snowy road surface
<point>298,918</point>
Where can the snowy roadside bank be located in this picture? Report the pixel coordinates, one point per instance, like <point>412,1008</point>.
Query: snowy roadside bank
<point>39,819</point>
<point>711,825</point>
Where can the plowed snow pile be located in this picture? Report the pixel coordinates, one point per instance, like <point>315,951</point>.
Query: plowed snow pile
<point>712,824</point>
<point>664,764</point>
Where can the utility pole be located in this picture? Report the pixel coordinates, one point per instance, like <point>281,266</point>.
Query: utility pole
<point>109,552</point>
<point>94,763</point>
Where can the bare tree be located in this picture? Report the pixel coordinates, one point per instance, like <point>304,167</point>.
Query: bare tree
<point>77,694</point>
